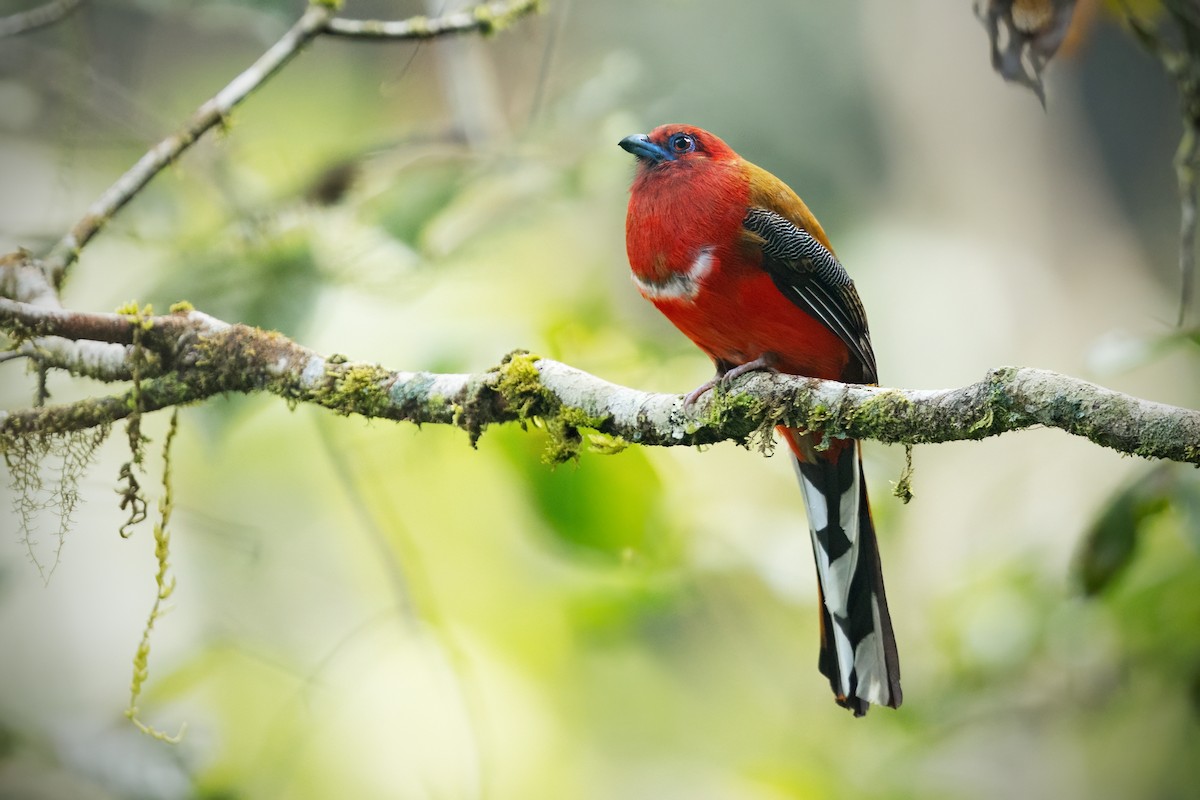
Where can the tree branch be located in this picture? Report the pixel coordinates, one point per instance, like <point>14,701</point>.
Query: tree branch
<point>1180,57</point>
<point>25,320</point>
<point>22,279</point>
<point>99,360</point>
<point>486,19</point>
<point>187,357</point>
<point>318,18</point>
<point>202,356</point>
<point>37,17</point>
<point>212,112</point>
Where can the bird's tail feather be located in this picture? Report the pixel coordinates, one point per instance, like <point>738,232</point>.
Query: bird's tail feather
<point>858,649</point>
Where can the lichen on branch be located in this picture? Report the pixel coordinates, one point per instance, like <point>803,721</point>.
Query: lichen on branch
<point>45,468</point>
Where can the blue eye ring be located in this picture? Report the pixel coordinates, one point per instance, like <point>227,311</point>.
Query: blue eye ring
<point>681,143</point>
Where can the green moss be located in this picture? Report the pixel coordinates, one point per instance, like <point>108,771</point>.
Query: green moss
<point>565,441</point>
<point>745,416</point>
<point>182,307</point>
<point>996,418</point>
<point>982,427</point>
<point>239,358</point>
<point>491,23</point>
<point>133,500</point>
<point>358,389</point>
<point>876,417</point>
<point>61,420</point>
<point>165,583</point>
<point>825,422</point>
<point>903,488</point>
<point>606,444</point>
<point>419,27</point>
<point>138,314</point>
<point>578,418</point>
<point>520,386</point>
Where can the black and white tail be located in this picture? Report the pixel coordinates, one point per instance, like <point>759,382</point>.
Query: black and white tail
<point>858,649</point>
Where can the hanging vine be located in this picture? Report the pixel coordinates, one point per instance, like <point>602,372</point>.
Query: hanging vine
<point>166,587</point>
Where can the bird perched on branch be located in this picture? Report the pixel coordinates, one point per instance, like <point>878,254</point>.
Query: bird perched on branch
<point>736,261</point>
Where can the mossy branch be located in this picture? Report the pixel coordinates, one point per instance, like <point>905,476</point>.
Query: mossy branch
<point>201,356</point>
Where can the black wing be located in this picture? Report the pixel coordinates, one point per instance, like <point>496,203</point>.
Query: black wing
<point>812,278</point>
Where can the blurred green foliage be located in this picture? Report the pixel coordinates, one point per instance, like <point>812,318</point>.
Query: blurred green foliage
<point>374,610</point>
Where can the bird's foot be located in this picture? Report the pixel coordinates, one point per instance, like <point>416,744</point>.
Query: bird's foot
<point>723,378</point>
<point>760,363</point>
<point>691,397</point>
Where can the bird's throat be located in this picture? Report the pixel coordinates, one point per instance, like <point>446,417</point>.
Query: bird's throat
<point>665,284</point>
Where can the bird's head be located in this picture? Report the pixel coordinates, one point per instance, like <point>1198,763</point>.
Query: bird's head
<point>669,144</point>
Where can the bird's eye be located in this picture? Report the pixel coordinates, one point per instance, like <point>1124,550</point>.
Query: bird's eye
<point>682,143</point>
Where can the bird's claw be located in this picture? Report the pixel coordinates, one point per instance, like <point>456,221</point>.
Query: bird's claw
<point>691,397</point>
<point>723,379</point>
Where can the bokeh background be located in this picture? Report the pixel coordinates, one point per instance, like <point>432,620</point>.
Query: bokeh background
<point>375,610</point>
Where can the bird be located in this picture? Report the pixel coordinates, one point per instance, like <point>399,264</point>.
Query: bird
<point>737,262</point>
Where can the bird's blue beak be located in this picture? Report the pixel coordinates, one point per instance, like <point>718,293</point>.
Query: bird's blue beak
<point>640,145</point>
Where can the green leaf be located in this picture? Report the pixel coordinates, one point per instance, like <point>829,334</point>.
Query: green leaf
<point>270,280</point>
<point>604,507</point>
<point>420,194</point>
<point>1111,542</point>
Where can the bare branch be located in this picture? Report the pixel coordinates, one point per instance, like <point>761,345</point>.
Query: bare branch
<point>1187,156</point>
<point>27,321</point>
<point>487,18</point>
<point>210,114</point>
<point>37,17</point>
<point>22,279</point>
<point>1182,62</point>
<point>96,346</point>
<point>316,20</point>
<point>99,360</point>
<point>211,357</point>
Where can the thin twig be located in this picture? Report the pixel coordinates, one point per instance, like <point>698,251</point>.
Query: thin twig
<point>37,17</point>
<point>554,35</point>
<point>101,361</point>
<point>1185,175</point>
<point>1182,63</point>
<point>22,279</point>
<point>206,117</point>
<point>317,19</point>
<point>28,321</point>
<point>486,18</point>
